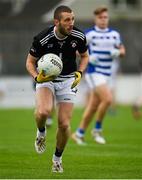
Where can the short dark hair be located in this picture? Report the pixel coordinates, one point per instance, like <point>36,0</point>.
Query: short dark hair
<point>100,10</point>
<point>59,10</point>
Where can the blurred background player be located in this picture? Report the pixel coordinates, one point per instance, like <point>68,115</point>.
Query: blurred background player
<point>112,85</point>
<point>104,46</point>
<point>137,106</point>
<point>49,120</point>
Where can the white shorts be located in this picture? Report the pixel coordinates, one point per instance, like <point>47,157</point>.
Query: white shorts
<point>114,73</point>
<point>61,90</point>
<point>96,79</point>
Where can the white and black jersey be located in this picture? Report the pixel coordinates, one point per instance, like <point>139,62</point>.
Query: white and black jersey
<point>47,42</point>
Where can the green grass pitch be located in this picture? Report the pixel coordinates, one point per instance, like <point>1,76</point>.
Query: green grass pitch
<point>120,158</point>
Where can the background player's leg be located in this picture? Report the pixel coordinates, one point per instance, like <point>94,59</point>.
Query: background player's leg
<point>88,114</point>
<point>105,96</point>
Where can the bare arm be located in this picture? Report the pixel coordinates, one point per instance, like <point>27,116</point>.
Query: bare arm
<point>84,58</point>
<point>31,65</point>
<point>122,50</point>
<point>83,61</point>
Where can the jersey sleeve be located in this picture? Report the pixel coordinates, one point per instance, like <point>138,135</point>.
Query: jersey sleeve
<point>36,48</point>
<point>118,40</point>
<point>82,48</point>
<point>88,37</point>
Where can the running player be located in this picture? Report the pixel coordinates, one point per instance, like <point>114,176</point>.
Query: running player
<point>104,46</point>
<point>63,39</point>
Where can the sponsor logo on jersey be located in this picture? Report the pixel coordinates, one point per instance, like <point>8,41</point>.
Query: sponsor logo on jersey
<point>67,99</point>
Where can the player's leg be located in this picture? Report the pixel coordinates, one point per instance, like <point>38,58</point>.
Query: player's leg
<point>88,114</point>
<point>49,120</point>
<point>65,97</point>
<point>105,96</point>
<point>63,133</point>
<point>112,85</point>
<point>90,110</point>
<point>64,117</point>
<point>136,108</point>
<point>112,109</point>
<point>44,104</point>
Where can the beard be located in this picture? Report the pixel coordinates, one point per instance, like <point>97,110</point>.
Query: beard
<point>63,31</point>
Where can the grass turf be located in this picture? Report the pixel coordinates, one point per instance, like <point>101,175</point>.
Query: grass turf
<point>120,158</point>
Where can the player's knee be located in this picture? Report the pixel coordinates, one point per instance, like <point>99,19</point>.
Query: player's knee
<point>43,113</point>
<point>93,109</point>
<point>108,101</point>
<point>64,126</point>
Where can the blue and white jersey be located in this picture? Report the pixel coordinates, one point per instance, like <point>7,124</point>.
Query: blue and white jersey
<point>100,44</point>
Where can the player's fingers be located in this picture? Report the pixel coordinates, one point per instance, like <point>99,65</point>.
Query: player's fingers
<point>73,85</point>
<point>41,71</point>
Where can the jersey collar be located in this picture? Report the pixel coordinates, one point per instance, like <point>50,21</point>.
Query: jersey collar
<point>101,30</point>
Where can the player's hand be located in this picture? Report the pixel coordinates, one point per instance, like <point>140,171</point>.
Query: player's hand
<point>93,59</point>
<point>115,53</point>
<point>41,77</point>
<point>78,75</point>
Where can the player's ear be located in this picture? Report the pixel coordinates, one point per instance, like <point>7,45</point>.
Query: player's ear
<point>56,22</point>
